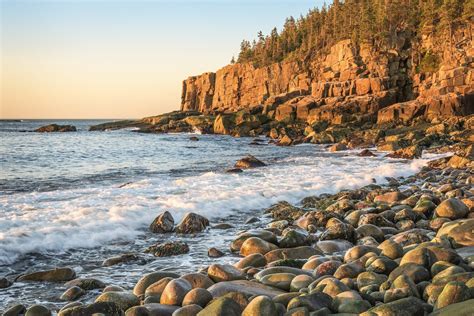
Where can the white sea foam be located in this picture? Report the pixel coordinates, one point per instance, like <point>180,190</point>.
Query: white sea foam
<point>88,217</point>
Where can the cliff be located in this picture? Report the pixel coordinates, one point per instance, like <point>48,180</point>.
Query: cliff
<point>349,82</point>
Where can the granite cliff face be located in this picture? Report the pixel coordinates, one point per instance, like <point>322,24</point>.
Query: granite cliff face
<point>347,83</point>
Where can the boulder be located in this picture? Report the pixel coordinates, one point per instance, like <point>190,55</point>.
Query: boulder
<point>192,223</point>
<point>175,291</point>
<point>459,232</point>
<point>54,275</point>
<point>242,286</point>
<point>149,279</point>
<point>124,300</point>
<point>164,223</point>
<point>222,306</point>
<point>260,306</point>
<point>452,208</point>
<point>224,272</point>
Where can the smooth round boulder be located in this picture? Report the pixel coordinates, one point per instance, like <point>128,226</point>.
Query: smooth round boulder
<point>300,281</point>
<point>192,223</point>
<point>197,296</point>
<point>188,310</point>
<point>222,306</point>
<point>452,208</point>
<point>255,260</point>
<point>38,310</point>
<point>150,278</point>
<point>72,294</point>
<point>175,291</point>
<point>391,249</point>
<point>124,300</point>
<point>260,306</point>
<point>279,280</point>
<point>157,288</point>
<point>254,245</point>
<point>198,280</point>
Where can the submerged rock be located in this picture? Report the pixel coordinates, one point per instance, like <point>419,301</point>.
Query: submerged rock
<point>168,249</point>
<point>54,275</point>
<point>249,162</point>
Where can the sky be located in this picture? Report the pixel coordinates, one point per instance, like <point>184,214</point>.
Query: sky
<point>120,59</point>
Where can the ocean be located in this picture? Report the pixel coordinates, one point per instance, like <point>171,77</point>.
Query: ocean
<point>75,199</point>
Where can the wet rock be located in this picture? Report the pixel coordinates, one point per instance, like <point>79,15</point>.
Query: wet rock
<point>452,208</point>
<point>222,226</point>
<point>197,296</point>
<point>366,153</point>
<point>330,286</point>
<point>127,257</point>
<point>427,256</point>
<point>194,138</point>
<point>86,283</point>
<point>374,219</point>
<point>198,280</point>
<point>222,306</point>
<point>113,288</point>
<point>254,245</point>
<point>4,283</point>
<point>175,291</point>
<point>249,162</point>
<point>458,232</point>
<point>149,279</point>
<point>245,287</point>
<point>234,170</point>
<point>260,306</point>
<point>168,249</point>
<point>337,147</point>
<point>105,308</point>
<point>410,152</point>
<point>55,275</point>
<point>72,294</point>
<point>38,310</point>
<point>124,300</point>
<point>453,292</point>
<point>252,220</point>
<point>15,310</point>
<point>404,281</point>
<point>224,272</point>
<point>192,223</point>
<point>255,260</point>
<point>189,310</point>
<point>54,128</point>
<point>214,253</point>
<point>164,223</point>
<point>278,280</point>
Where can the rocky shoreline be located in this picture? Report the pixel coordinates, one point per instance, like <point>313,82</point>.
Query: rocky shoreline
<point>405,247</point>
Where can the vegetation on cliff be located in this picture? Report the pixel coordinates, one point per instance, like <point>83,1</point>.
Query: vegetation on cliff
<point>374,21</point>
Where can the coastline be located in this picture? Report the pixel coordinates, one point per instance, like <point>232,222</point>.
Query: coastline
<point>303,239</point>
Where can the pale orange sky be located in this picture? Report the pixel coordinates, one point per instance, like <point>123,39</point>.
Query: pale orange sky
<point>119,59</point>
